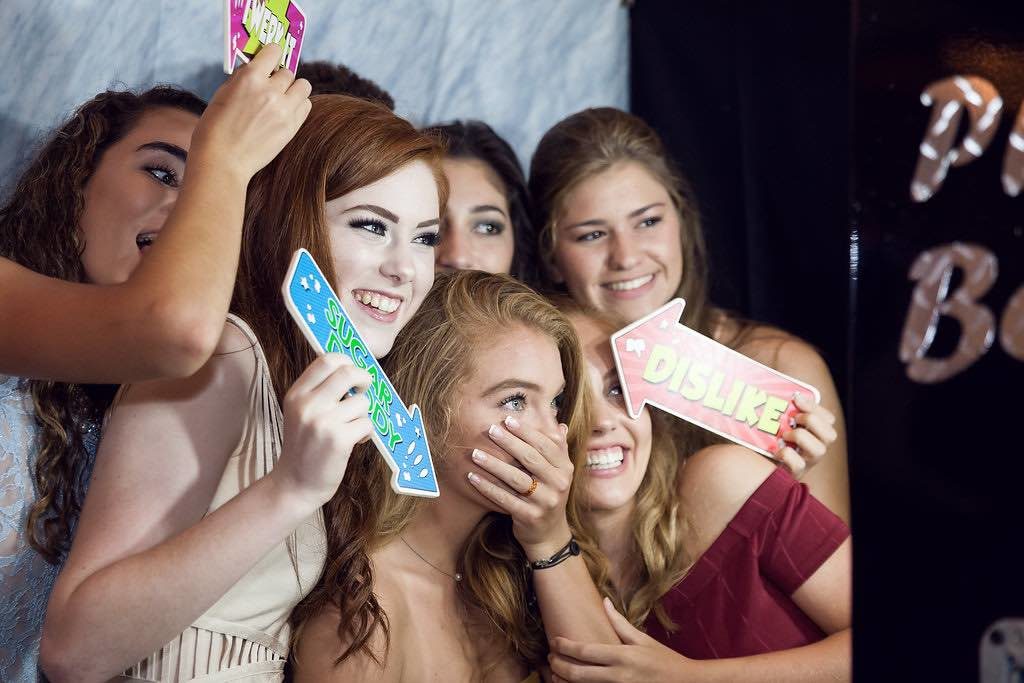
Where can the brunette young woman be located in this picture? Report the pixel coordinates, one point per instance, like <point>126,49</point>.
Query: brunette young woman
<point>81,303</point>
<point>202,528</point>
<point>619,230</point>
<point>732,568</point>
<point>444,589</point>
<point>487,221</point>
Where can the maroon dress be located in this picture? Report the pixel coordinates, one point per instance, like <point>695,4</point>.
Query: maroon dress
<point>735,600</point>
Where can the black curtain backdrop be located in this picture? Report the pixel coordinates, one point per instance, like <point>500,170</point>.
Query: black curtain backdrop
<point>939,534</point>
<point>752,100</point>
<point>800,126</point>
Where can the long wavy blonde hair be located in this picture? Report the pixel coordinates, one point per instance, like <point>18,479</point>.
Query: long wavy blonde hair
<point>657,516</point>
<point>432,356</point>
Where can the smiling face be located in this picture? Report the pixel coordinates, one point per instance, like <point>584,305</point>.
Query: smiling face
<point>617,244</point>
<point>619,448</point>
<point>477,226</point>
<point>132,191</point>
<point>382,244</point>
<point>520,374</point>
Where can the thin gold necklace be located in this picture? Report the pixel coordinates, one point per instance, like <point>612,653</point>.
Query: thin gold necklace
<point>456,578</point>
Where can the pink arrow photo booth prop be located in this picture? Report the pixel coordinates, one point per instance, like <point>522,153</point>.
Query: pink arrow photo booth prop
<point>693,377</point>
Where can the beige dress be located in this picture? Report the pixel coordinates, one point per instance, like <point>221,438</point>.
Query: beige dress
<point>244,636</point>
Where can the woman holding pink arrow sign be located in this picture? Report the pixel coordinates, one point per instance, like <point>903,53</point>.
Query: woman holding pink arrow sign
<point>618,229</point>
<point>730,568</point>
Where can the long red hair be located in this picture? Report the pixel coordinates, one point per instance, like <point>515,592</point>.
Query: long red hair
<point>345,144</point>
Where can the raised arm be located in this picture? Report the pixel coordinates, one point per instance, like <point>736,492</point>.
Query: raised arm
<point>165,320</point>
<point>147,560</point>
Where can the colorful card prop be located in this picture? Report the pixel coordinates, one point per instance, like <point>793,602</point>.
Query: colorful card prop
<point>251,24</point>
<point>668,365</point>
<point>398,431</point>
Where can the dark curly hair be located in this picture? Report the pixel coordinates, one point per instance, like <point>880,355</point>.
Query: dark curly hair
<point>473,139</point>
<point>39,230</point>
<point>337,79</point>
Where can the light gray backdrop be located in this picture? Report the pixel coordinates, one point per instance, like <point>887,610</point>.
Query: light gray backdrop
<point>520,65</point>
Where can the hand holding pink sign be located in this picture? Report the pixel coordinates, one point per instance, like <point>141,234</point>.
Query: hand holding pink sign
<point>251,117</point>
<point>693,377</point>
<point>251,24</point>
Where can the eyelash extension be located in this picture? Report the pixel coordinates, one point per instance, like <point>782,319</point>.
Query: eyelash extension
<point>431,239</point>
<point>374,225</point>
<point>172,179</point>
<point>589,237</point>
<point>518,396</point>
<point>498,228</point>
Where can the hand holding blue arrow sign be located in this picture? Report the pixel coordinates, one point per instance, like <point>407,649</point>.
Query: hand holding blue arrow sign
<point>398,431</point>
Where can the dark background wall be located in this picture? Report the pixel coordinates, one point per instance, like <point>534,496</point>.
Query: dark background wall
<point>939,472</point>
<point>752,99</point>
<point>799,124</point>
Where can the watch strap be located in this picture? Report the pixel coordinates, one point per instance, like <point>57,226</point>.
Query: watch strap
<point>570,549</point>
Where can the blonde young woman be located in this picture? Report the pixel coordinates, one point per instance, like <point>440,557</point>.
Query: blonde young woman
<point>444,589</point>
<point>202,528</point>
<point>732,568</point>
<point>618,229</point>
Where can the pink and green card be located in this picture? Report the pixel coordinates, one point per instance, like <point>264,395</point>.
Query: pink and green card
<point>694,377</point>
<point>251,24</point>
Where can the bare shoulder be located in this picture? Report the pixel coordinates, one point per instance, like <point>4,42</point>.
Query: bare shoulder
<point>233,342</point>
<point>320,644</point>
<point>393,596</point>
<point>161,458</point>
<point>784,352</point>
<point>224,377</point>
<point>714,484</point>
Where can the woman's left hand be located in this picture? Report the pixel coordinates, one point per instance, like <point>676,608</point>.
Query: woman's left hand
<point>639,658</point>
<point>534,498</point>
<point>810,434</point>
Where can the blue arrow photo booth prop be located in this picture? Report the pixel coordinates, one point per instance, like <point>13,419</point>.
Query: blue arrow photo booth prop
<point>398,430</point>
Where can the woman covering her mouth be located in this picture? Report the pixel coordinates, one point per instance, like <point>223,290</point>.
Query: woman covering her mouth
<point>465,587</point>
